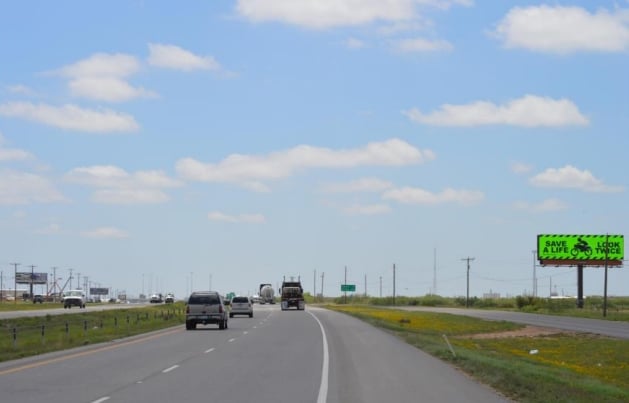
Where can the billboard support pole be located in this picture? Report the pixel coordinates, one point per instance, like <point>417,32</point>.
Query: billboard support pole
<point>605,291</point>
<point>580,286</point>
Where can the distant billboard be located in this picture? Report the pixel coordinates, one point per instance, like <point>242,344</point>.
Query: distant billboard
<point>31,278</point>
<point>590,248</point>
<point>99,291</point>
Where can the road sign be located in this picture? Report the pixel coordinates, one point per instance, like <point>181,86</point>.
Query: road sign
<point>348,287</point>
<point>580,247</point>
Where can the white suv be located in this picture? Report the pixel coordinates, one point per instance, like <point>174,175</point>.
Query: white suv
<point>241,306</point>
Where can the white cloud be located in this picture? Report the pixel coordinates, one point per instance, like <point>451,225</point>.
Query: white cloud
<point>240,218</point>
<point>174,57</point>
<point>422,45</point>
<point>21,90</point>
<point>372,209</point>
<point>248,170</point>
<point>544,206</point>
<point>569,177</point>
<point>102,77</point>
<point>105,233</point>
<point>71,117</point>
<point>528,111</point>
<point>49,230</point>
<point>12,154</point>
<point>321,14</point>
<point>117,186</point>
<point>410,195</point>
<point>353,43</point>
<point>25,188</point>
<point>359,185</point>
<point>103,65</point>
<point>564,29</point>
<point>521,168</point>
<point>110,89</point>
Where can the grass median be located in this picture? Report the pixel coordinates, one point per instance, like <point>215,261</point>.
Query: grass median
<point>28,336</point>
<point>525,366</point>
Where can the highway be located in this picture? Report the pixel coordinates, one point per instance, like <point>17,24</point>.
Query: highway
<point>314,355</point>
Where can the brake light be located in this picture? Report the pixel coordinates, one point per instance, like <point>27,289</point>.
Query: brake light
<point>220,309</point>
<point>188,309</point>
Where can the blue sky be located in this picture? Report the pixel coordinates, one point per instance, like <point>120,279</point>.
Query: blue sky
<point>159,147</point>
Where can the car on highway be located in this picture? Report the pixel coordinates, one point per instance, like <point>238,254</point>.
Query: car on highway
<point>156,299</point>
<point>241,306</point>
<point>38,298</point>
<point>73,298</point>
<point>206,307</point>
<point>170,298</point>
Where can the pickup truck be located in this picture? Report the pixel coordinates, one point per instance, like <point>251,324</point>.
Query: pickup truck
<point>73,298</point>
<point>206,307</point>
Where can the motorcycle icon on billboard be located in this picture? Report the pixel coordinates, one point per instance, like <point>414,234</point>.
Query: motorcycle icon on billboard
<point>581,247</point>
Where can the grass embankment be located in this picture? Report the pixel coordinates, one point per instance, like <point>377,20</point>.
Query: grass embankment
<point>23,337</point>
<point>558,368</point>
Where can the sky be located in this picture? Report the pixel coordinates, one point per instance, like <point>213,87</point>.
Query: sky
<point>154,146</point>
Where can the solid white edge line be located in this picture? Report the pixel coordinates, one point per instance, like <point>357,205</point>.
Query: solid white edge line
<point>325,366</point>
<point>102,399</point>
<point>170,369</point>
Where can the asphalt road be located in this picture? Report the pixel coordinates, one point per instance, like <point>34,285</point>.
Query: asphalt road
<point>294,356</point>
<point>596,326</point>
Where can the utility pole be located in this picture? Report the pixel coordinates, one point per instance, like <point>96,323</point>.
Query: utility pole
<point>15,265</point>
<point>365,286</point>
<point>314,284</point>
<point>32,277</point>
<point>380,286</point>
<point>467,299</point>
<point>322,275</point>
<point>434,273</point>
<point>78,281</point>
<point>534,274</point>
<point>344,283</point>
<point>1,286</point>
<point>393,284</point>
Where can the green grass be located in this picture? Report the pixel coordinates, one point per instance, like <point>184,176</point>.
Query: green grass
<point>566,368</point>
<point>23,337</point>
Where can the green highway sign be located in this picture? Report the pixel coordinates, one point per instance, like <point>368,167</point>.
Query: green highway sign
<point>348,287</point>
<point>580,247</point>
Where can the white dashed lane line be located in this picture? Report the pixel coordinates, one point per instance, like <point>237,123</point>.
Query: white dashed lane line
<point>101,400</point>
<point>209,350</point>
<point>170,369</point>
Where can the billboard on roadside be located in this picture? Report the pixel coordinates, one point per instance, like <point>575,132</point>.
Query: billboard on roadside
<point>580,247</point>
<point>99,291</point>
<point>31,278</point>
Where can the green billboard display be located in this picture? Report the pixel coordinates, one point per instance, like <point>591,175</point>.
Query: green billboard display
<point>580,247</point>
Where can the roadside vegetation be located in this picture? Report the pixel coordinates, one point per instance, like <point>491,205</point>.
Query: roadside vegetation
<point>617,307</point>
<point>28,336</point>
<point>559,367</point>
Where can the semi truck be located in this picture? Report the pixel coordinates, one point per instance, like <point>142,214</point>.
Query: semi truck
<point>267,295</point>
<point>292,295</point>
